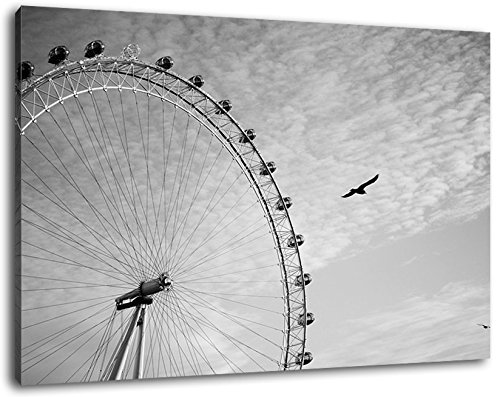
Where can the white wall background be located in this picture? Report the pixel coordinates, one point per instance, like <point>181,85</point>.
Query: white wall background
<point>454,379</point>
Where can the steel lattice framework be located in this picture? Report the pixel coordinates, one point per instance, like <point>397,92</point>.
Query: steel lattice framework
<point>71,79</point>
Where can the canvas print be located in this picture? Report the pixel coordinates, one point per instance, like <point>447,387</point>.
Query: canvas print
<point>200,195</point>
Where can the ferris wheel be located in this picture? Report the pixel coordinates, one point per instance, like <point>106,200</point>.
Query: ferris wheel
<point>153,238</point>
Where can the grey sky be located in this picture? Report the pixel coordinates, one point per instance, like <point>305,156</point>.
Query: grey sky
<point>401,274</point>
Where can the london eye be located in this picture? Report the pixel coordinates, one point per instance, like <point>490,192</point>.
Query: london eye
<point>154,241</point>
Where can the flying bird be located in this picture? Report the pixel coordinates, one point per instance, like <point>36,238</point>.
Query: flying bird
<point>484,326</point>
<point>361,188</point>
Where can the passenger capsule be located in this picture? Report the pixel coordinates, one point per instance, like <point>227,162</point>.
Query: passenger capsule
<point>197,80</point>
<point>226,106</point>
<point>58,54</point>
<point>165,62</point>
<point>94,48</point>
<point>25,70</point>
<point>299,238</point>
<point>305,358</point>
<point>306,319</point>
<point>307,279</point>
<point>248,136</point>
<point>268,169</point>
<point>131,51</point>
<point>285,203</point>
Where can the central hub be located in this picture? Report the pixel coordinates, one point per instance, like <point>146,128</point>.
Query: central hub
<point>151,287</point>
<point>142,294</point>
<point>166,281</point>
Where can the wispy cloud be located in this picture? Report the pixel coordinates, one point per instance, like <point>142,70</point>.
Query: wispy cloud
<point>335,104</point>
<point>435,327</point>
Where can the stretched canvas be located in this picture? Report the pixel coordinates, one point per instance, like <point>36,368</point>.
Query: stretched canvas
<point>200,195</point>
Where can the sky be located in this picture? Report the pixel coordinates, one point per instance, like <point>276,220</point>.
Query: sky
<point>401,274</point>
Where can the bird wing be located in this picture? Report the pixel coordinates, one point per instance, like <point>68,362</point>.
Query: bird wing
<point>362,186</point>
<point>348,194</point>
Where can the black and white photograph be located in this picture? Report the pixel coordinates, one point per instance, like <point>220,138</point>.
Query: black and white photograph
<point>213,195</point>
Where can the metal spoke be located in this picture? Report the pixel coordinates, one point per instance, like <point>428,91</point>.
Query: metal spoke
<point>153,240</point>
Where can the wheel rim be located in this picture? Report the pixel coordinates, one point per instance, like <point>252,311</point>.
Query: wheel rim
<point>96,90</point>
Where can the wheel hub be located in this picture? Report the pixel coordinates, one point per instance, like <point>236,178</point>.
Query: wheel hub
<point>143,293</point>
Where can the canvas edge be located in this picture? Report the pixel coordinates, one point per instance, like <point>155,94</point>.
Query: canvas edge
<point>17,211</point>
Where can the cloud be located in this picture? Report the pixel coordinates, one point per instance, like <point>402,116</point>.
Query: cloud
<point>410,105</point>
<point>332,105</point>
<point>424,328</point>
